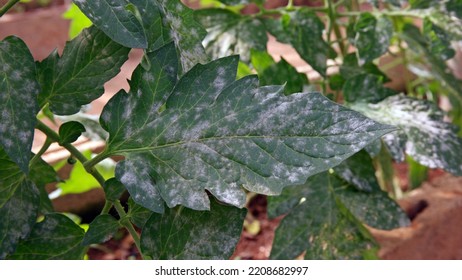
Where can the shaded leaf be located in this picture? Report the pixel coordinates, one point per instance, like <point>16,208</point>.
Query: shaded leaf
<point>231,33</point>
<point>440,41</point>
<point>77,77</point>
<point>454,7</point>
<point>18,100</point>
<point>70,131</point>
<point>116,21</point>
<point>424,135</point>
<point>93,129</point>
<point>334,234</point>
<point>218,134</point>
<point>137,214</point>
<point>366,88</point>
<point>350,68</point>
<point>181,233</point>
<point>303,30</point>
<point>289,198</point>
<point>101,229</point>
<point>56,237</point>
<point>372,37</point>
<point>281,73</point>
<point>113,189</point>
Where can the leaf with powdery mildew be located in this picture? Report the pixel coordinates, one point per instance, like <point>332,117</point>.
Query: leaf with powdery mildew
<point>183,234</point>
<point>210,132</point>
<point>78,76</point>
<point>18,100</point>
<point>116,21</point>
<point>101,229</point>
<point>425,136</point>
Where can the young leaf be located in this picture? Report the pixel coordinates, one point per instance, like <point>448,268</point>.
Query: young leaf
<point>181,233</point>
<point>304,30</point>
<point>334,234</point>
<point>56,237</point>
<point>428,139</point>
<point>366,88</point>
<point>372,36</point>
<point>113,189</point>
<point>137,214</point>
<point>116,21</point>
<point>18,100</point>
<point>101,229</point>
<point>77,77</point>
<point>185,32</point>
<point>231,33</point>
<point>218,134</point>
<point>70,131</point>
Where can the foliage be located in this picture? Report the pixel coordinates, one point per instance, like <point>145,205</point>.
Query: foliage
<point>196,140</point>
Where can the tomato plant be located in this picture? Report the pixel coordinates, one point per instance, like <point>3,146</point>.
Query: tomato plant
<point>197,135</point>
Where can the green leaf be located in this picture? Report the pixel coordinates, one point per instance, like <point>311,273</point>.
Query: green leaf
<point>18,100</point>
<point>427,138</point>
<point>220,135</point>
<point>231,33</point>
<point>440,41</point>
<point>185,32</point>
<point>19,203</point>
<point>454,7</point>
<point>350,68</point>
<point>116,21</point>
<point>101,229</point>
<point>70,131</point>
<point>93,129</point>
<point>137,214</point>
<point>79,20</point>
<point>81,181</point>
<point>287,200</point>
<point>42,173</point>
<point>373,36</point>
<point>417,173</point>
<point>56,237</point>
<point>304,30</point>
<point>366,88</point>
<point>321,226</point>
<point>359,171</point>
<point>113,189</point>
<point>181,233</point>
<point>156,33</point>
<point>281,73</point>
<point>234,2</point>
<point>77,77</point>
<point>423,4</point>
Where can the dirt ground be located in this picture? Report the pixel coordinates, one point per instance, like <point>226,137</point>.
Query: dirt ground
<point>435,208</point>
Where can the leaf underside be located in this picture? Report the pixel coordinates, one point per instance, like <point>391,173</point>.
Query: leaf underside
<point>220,135</point>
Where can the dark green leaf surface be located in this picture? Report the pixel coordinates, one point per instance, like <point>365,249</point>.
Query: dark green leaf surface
<point>156,33</point>
<point>116,21</point>
<point>218,134</point>
<point>42,173</point>
<point>185,32</point>
<point>18,100</point>
<point>359,171</point>
<point>56,237</point>
<point>366,88</point>
<point>281,73</point>
<point>101,229</point>
<point>113,189</point>
<point>351,68</point>
<point>428,138</point>
<point>70,131</point>
<point>19,202</point>
<point>93,129</point>
<point>77,77</point>
<point>231,33</point>
<point>454,7</point>
<point>440,41</point>
<point>372,36</point>
<point>321,226</point>
<point>423,4</point>
<point>303,30</point>
<point>181,233</point>
<point>137,214</point>
<point>287,200</point>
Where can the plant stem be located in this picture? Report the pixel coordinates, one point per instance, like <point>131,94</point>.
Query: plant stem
<point>126,223</point>
<point>7,6</point>
<point>44,148</point>
<point>403,13</point>
<point>99,157</point>
<point>332,14</point>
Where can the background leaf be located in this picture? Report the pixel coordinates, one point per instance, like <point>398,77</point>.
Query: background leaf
<point>218,134</point>
<point>137,214</point>
<point>366,88</point>
<point>70,131</point>
<point>182,233</point>
<point>113,189</point>
<point>100,230</point>
<point>56,237</point>
<point>18,100</point>
<point>116,21</point>
<point>79,20</point>
<point>77,77</point>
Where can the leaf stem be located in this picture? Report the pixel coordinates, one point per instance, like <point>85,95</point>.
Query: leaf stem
<point>126,223</point>
<point>42,150</point>
<point>7,6</point>
<point>398,13</point>
<point>332,14</point>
